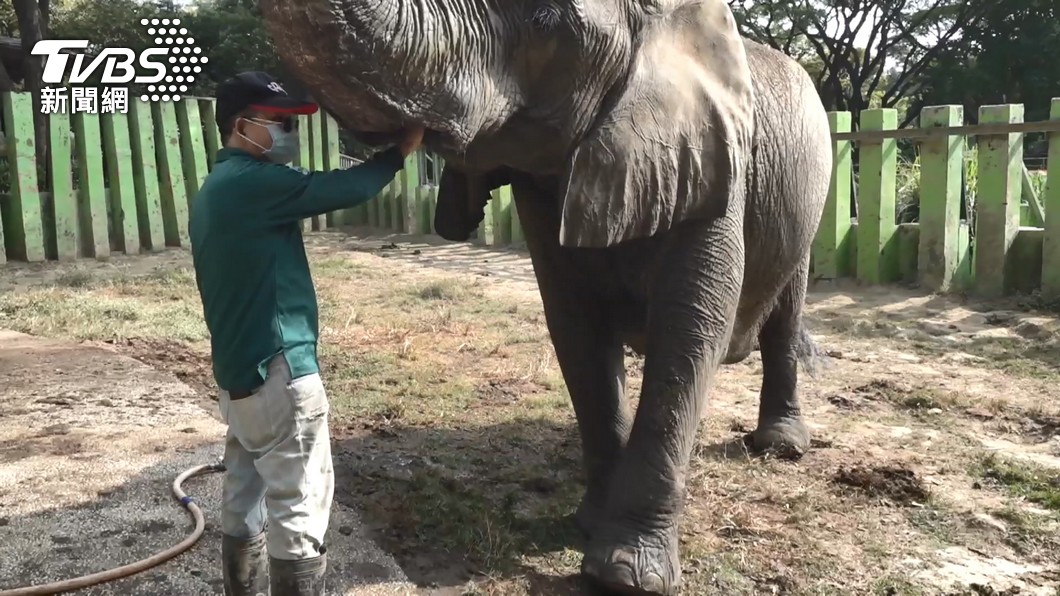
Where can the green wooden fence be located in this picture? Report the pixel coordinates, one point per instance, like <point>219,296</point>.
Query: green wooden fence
<point>123,185</point>
<point>1010,246</point>
<point>117,183</point>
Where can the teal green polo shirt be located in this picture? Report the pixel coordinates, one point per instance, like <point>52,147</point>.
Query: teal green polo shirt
<point>250,263</point>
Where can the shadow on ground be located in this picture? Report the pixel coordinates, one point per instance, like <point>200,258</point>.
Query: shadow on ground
<point>485,504</point>
<point>138,518</point>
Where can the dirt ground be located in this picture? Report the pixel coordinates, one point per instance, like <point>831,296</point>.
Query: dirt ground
<point>90,444</point>
<point>936,459</point>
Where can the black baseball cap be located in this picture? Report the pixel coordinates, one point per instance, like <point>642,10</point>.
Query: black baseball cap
<point>260,91</point>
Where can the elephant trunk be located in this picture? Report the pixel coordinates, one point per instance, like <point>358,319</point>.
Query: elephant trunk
<point>378,65</point>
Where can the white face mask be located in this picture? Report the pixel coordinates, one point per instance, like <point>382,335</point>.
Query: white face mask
<point>285,145</point>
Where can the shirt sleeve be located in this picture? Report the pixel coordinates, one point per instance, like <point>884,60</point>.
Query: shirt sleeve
<point>287,194</point>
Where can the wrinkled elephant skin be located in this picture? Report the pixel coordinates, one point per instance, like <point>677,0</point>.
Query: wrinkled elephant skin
<point>669,177</point>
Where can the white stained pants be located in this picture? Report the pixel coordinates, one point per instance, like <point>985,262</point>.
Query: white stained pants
<point>278,464</point>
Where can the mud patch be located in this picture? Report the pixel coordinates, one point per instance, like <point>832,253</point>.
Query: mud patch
<point>190,365</point>
<point>505,391</point>
<point>892,483</point>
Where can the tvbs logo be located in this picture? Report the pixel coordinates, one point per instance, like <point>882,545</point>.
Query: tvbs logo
<point>167,70</point>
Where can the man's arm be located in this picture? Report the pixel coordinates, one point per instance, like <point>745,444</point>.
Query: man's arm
<point>290,195</point>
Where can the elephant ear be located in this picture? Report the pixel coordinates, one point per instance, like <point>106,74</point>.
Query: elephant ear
<point>676,143</point>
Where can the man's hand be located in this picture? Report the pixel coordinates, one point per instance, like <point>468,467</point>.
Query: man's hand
<point>412,140</point>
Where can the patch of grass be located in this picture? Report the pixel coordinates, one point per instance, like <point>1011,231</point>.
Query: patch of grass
<point>936,521</point>
<point>895,585</point>
<point>928,399</point>
<point>1028,533</point>
<point>75,278</point>
<point>83,314</point>
<point>1035,483</point>
<point>1017,357</point>
<point>446,290</point>
<point>905,396</point>
<point>340,265</point>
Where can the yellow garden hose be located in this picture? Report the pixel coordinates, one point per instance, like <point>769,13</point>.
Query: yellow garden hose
<point>85,581</point>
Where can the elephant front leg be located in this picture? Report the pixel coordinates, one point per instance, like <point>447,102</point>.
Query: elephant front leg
<point>593,367</point>
<point>783,342</point>
<point>693,303</point>
<point>590,355</point>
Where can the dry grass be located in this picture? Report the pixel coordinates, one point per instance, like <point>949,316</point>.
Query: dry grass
<point>454,433</point>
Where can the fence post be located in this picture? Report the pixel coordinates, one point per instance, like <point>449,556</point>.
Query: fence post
<point>117,150</point>
<point>877,238</point>
<point>433,207</point>
<point>997,218</point>
<point>517,240</point>
<point>316,160</point>
<point>832,244</point>
<point>64,206</point>
<point>1051,242</point>
<point>940,198</point>
<point>192,146</point>
<point>501,211</point>
<point>171,167</point>
<point>374,206</point>
<point>422,211</point>
<point>331,162</point>
<point>386,205</point>
<point>304,159</point>
<point>211,135</point>
<point>22,220</point>
<point>408,181</point>
<point>91,191</point>
<point>145,176</point>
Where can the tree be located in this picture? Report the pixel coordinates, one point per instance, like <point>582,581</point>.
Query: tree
<point>1004,57</point>
<point>232,34</point>
<point>33,27</point>
<point>861,53</point>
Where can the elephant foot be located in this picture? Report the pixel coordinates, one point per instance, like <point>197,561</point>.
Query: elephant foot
<point>787,438</point>
<point>628,562</point>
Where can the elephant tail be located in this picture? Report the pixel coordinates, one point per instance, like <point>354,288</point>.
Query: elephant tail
<point>811,356</point>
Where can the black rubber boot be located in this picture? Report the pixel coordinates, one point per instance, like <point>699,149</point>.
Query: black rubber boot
<point>298,578</point>
<point>245,565</point>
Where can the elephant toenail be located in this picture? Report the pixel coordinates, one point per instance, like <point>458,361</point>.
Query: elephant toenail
<point>624,556</point>
<point>653,582</point>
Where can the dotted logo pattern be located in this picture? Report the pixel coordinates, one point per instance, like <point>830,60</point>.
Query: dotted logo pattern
<point>185,59</point>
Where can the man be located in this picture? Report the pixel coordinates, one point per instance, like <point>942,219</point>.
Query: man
<point>261,310</point>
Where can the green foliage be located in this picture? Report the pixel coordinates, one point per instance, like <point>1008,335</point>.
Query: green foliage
<point>8,20</point>
<point>230,32</point>
<point>1003,57</point>
<point>114,23</point>
<point>860,54</point>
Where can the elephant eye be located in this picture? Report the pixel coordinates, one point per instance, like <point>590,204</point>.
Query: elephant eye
<point>546,17</point>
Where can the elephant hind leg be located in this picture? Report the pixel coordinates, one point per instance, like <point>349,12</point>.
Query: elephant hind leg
<point>784,343</point>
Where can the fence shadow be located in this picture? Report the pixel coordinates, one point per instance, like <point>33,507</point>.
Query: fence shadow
<point>500,263</point>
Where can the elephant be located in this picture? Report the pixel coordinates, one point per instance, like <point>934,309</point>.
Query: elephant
<point>669,176</point>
